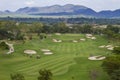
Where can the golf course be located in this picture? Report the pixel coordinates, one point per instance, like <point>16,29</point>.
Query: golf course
<point>68,59</point>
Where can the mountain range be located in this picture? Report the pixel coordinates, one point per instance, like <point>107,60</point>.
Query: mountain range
<point>68,9</point>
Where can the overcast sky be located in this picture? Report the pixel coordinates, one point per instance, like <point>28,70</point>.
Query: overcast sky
<point>96,5</point>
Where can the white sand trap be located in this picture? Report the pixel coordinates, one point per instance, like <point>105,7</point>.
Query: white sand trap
<point>82,39</point>
<point>110,48</point>
<point>93,38</point>
<point>30,52</point>
<point>58,34</point>
<point>97,57</point>
<point>59,41</point>
<point>89,35</point>
<point>48,53</point>
<point>45,50</point>
<point>55,40</point>
<point>103,46</point>
<point>75,41</point>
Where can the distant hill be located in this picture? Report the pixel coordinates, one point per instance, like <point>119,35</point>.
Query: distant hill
<point>68,9</point>
<point>7,11</point>
<point>115,13</point>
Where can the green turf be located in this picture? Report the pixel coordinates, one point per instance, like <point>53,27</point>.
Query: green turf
<point>69,59</point>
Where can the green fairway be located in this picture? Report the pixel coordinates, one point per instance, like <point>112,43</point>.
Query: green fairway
<point>69,60</point>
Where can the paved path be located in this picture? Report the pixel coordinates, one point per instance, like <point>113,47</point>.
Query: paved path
<point>11,48</point>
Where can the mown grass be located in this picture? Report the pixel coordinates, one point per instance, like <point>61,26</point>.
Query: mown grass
<point>68,61</point>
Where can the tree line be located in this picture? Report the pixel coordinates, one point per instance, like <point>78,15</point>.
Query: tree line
<point>78,20</point>
<point>17,31</point>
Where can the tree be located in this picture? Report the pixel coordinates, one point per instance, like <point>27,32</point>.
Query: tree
<point>112,65</point>
<point>112,32</point>
<point>45,75</point>
<point>87,28</point>
<point>37,27</point>
<point>113,28</point>
<point>4,46</point>
<point>42,36</point>
<point>60,27</point>
<point>116,50</point>
<point>116,75</point>
<point>17,76</point>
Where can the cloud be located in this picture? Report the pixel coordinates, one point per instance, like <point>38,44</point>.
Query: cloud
<point>29,3</point>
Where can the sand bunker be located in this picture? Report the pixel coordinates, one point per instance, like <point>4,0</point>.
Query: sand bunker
<point>75,41</point>
<point>109,47</point>
<point>82,39</point>
<point>11,48</point>
<point>90,36</point>
<point>58,34</point>
<point>99,57</point>
<point>93,38</point>
<point>30,52</point>
<point>45,50</point>
<point>48,53</point>
<point>103,46</point>
<point>55,40</point>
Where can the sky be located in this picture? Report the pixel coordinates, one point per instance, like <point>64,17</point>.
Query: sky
<point>96,5</point>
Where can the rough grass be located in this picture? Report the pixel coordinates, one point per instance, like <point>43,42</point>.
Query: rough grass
<point>69,59</point>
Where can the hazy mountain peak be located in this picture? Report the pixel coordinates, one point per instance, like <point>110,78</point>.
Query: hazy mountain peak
<point>7,11</point>
<point>71,5</point>
<point>51,9</point>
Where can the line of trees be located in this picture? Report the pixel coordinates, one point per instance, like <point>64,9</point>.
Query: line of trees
<point>69,20</point>
<point>17,31</point>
